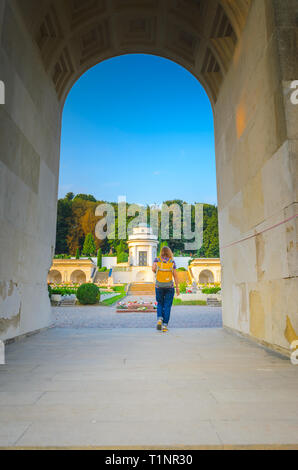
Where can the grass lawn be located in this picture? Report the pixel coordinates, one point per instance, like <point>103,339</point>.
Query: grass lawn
<point>112,300</point>
<point>189,302</point>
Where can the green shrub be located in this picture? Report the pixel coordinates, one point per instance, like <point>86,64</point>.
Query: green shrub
<point>181,269</point>
<point>102,270</point>
<point>122,258</point>
<point>211,290</point>
<point>183,287</point>
<point>63,290</point>
<point>88,294</point>
<point>119,289</point>
<point>49,290</point>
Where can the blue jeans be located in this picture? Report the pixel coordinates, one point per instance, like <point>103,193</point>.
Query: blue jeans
<point>164,299</point>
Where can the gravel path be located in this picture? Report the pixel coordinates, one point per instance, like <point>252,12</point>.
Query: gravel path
<point>106,317</point>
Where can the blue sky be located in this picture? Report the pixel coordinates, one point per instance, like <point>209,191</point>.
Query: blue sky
<point>138,126</point>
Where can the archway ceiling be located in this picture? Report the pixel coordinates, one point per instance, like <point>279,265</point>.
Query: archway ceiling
<point>74,35</point>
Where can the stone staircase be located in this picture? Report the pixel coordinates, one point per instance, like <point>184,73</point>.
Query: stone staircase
<point>141,288</point>
<point>211,302</point>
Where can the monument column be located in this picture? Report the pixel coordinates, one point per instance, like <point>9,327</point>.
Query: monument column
<point>150,261</point>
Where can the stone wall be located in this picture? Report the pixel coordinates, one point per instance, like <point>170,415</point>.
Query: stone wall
<point>29,165</point>
<point>256,147</point>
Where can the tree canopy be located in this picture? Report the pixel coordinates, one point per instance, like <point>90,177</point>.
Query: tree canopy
<point>76,221</point>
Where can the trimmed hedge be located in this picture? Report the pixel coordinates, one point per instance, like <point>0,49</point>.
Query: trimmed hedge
<point>88,294</point>
<point>211,290</point>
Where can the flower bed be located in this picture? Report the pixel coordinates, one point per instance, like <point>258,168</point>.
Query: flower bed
<point>63,289</point>
<point>137,306</point>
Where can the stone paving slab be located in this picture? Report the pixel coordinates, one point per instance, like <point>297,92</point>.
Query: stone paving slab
<point>106,317</point>
<point>139,387</point>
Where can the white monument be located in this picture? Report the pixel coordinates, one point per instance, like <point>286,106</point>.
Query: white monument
<point>142,246</point>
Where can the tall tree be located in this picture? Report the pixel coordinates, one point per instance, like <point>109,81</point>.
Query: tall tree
<point>64,213</point>
<point>99,258</point>
<point>89,248</point>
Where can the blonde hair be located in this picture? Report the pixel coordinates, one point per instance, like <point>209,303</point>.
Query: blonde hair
<point>166,252</point>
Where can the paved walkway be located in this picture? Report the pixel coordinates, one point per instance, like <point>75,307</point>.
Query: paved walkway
<point>106,317</point>
<point>140,387</point>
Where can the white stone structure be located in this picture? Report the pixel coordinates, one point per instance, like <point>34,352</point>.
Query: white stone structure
<point>205,270</point>
<point>142,246</point>
<point>142,252</point>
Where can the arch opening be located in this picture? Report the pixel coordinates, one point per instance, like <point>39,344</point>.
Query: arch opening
<point>78,277</point>
<point>55,277</point>
<point>206,277</point>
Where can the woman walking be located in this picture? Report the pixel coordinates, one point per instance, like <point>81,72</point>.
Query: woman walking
<point>165,269</point>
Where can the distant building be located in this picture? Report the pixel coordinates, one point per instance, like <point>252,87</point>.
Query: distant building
<point>142,244</point>
<point>77,271</point>
<point>205,270</point>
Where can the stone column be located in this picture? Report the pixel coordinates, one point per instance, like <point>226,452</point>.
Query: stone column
<point>136,261</point>
<point>150,260</point>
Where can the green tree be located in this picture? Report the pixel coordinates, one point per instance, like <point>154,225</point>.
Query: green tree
<point>89,248</point>
<point>76,219</point>
<point>99,258</point>
<point>122,256</point>
<point>78,253</point>
<point>86,197</point>
<point>161,246</point>
<point>210,248</point>
<point>64,213</point>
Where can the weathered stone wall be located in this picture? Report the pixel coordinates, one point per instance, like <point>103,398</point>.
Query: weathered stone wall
<point>256,147</point>
<point>30,140</point>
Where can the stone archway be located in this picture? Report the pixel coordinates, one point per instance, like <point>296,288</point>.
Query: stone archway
<point>78,277</point>
<point>54,277</point>
<point>206,277</point>
<point>244,54</point>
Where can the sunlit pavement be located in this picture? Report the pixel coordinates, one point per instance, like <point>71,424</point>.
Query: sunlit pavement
<point>140,387</point>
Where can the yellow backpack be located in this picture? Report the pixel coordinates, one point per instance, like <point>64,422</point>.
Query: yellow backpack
<point>164,273</point>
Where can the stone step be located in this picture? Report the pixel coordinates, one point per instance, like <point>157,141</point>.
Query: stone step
<point>213,302</point>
